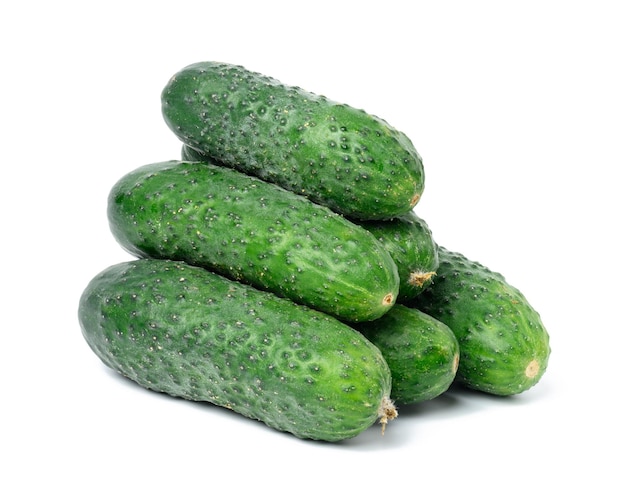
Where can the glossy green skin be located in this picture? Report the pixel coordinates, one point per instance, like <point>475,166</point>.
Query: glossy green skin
<point>336,155</point>
<point>412,247</point>
<point>190,333</point>
<point>422,353</point>
<point>256,232</point>
<point>504,345</point>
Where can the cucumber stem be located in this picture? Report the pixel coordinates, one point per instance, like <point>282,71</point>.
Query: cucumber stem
<point>386,412</point>
<point>419,278</point>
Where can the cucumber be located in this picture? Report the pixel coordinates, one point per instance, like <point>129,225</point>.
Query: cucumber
<point>255,232</point>
<point>336,155</point>
<point>422,353</point>
<point>190,333</point>
<point>504,344</point>
<point>412,247</point>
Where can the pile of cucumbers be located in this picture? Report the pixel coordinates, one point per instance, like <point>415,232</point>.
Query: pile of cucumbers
<point>280,270</point>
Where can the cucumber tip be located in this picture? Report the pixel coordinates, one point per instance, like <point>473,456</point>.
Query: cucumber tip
<point>532,369</point>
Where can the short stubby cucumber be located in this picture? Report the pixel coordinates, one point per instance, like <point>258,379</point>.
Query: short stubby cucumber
<point>256,232</point>
<point>504,345</point>
<point>412,247</point>
<point>185,331</point>
<point>422,353</point>
<point>336,155</point>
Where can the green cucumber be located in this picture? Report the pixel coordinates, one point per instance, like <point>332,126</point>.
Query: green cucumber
<point>256,232</point>
<point>422,353</point>
<point>504,345</point>
<point>185,331</point>
<point>412,247</point>
<point>336,155</point>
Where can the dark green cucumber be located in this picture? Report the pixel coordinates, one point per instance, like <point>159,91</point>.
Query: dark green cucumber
<point>412,247</point>
<point>256,232</point>
<point>422,353</point>
<point>190,333</point>
<point>344,158</point>
<point>504,345</point>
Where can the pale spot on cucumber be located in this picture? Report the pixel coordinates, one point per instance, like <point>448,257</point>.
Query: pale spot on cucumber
<point>455,362</point>
<point>415,199</point>
<point>388,300</point>
<point>532,369</point>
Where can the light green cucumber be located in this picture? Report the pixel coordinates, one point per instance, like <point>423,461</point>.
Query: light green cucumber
<point>342,157</point>
<point>190,333</point>
<point>256,232</point>
<point>422,353</point>
<point>504,345</point>
<point>412,247</point>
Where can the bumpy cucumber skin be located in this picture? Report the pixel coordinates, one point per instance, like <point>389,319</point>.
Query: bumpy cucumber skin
<point>336,155</point>
<point>190,333</point>
<point>410,242</point>
<point>255,232</point>
<point>422,353</point>
<point>504,345</point>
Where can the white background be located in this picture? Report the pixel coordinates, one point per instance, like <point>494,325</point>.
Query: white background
<point>519,111</point>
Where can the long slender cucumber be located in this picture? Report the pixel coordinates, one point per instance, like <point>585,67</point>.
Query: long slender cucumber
<point>253,231</point>
<point>336,155</point>
<point>188,332</point>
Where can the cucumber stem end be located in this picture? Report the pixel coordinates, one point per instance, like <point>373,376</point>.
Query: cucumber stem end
<point>386,412</point>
